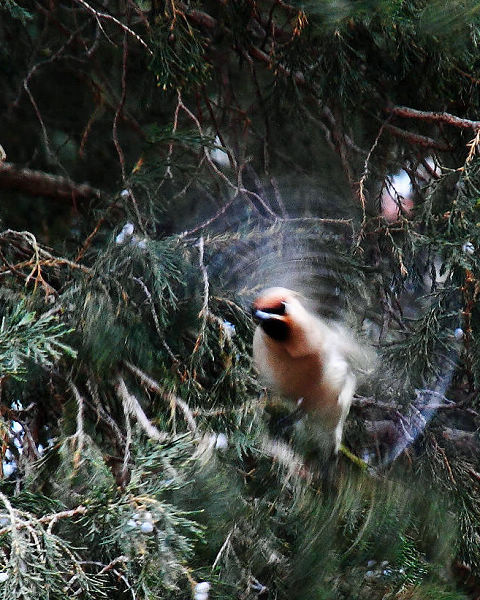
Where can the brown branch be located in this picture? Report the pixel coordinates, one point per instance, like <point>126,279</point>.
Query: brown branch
<point>205,20</point>
<point>47,519</point>
<point>474,474</point>
<point>88,241</point>
<point>120,106</point>
<point>201,18</point>
<point>39,183</point>
<point>264,57</point>
<point>418,140</point>
<point>441,117</point>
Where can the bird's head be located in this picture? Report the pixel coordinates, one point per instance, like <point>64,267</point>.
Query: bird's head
<point>282,317</point>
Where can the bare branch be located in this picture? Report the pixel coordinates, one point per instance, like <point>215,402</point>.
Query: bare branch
<point>39,183</point>
<point>361,183</point>
<point>79,435</point>
<point>47,519</point>
<point>440,117</point>
<point>120,106</point>
<point>417,140</point>
<point>99,15</point>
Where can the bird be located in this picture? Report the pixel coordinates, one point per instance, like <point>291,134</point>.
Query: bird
<point>306,359</point>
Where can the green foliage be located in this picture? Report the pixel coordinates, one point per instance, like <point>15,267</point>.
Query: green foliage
<point>25,337</point>
<point>178,57</point>
<point>38,563</point>
<point>16,11</point>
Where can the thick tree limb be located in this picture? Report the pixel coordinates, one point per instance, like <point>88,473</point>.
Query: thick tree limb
<point>39,183</point>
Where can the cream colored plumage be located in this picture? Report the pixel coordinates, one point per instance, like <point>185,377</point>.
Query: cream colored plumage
<point>303,358</point>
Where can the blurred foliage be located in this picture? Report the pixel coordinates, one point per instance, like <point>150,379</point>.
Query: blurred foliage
<point>166,160</point>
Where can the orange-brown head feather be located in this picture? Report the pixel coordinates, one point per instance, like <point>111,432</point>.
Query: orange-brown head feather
<point>274,299</point>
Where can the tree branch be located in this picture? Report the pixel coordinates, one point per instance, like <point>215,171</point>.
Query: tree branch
<point>442,117</point>
<point>39,183</point>
<point>417,140</point>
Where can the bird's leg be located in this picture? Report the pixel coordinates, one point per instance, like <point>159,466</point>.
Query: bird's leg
<point>344,400</point>
<point>353,457</point>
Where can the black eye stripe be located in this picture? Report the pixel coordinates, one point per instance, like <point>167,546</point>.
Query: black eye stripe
<point>276,329</point>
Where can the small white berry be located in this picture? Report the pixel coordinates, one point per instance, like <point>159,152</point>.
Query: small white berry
<point>202,588</point>
<point>9,468</point>
<point>219,155</point>
<point>120,238</point>
<point>228,328</point>
<point>468,248</point>
<point>3,577</point>
<point>458,333</point>
<point>200,596</point>
<point>146,527</point>
<point>128,229</point>
<point>124,194</point>
<point>131,523</point>
<point>221,442</point>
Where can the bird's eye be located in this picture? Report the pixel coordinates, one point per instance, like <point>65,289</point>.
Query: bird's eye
<point>278,309</point>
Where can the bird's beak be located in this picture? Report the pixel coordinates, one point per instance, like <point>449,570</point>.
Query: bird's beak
<point>261,316</point>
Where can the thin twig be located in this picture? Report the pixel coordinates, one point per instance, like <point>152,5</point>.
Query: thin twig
<point>128,441</point>
<point>102,413</point>
<point>108,17</point>
<point>120,106</point>
<point>364,176</point>
<point>222,549</point>
<point>238,187</point>
<point>79,435</point>
<point>204,311</point>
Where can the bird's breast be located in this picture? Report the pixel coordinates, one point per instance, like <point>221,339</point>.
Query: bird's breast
<point>294,378</point>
